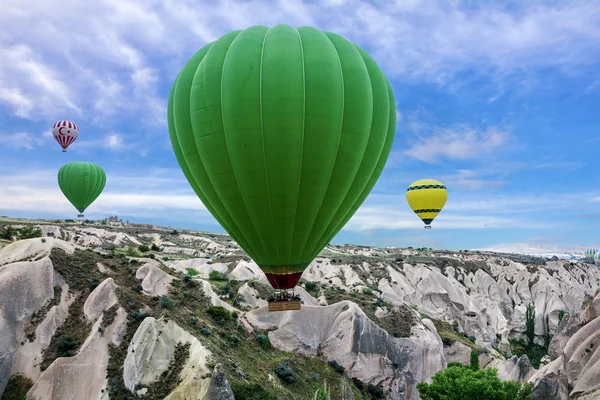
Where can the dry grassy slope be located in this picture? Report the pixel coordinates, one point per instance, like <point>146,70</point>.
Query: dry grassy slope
<point>446,286</point>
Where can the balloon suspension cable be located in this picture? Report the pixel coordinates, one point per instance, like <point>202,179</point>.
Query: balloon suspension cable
<point>284,295</point>
<point>277,289</point>
<point>281,294</point>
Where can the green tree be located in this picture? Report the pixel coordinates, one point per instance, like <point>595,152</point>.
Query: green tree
<point>458,382</point>
<point>530,323</point>
<point>474,360</point>
<point>29,232</point>
<point>8,232</point>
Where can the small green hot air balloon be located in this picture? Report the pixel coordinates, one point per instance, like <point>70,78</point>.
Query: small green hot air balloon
<point>282,133</point>
<point>81,183</point>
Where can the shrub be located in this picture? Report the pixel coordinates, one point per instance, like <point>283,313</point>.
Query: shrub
<point>217,276</point>
<point>205,331</point>
<point>154,247</point>
<point>250,391</point>
<point>367,291</point>
<point>187,277</point>
<point>219,313</point>
<point>458,382</point>
<point>29,232</point>
<point>263,341</point>
<point>225,290</point>
<point>17,387</point>
<point>143,248</point>
<point>375,391</point>
<point>284,372</point>
<point>192,271</point>
<point>66,346</point>
<point>474,360</point>
<point>337,367</point>
<point>166,302</point>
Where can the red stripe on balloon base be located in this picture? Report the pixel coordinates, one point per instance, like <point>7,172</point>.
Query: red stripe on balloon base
<point>284,281</point>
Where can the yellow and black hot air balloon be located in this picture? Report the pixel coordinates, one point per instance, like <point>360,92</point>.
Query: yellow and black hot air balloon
<point>427,197</point>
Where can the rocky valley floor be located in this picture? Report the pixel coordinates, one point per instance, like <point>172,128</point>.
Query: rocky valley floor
<point>99,310</point>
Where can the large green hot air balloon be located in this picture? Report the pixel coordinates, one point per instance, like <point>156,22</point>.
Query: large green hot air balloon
<point>81,183</point>
<point>282,133</point>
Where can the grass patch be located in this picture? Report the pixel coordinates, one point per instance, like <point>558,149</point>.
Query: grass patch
<point>170,378</point>
<point>215,275</point>
<point>69,337</point>
<point>246,362</point>
<point>398,322</point>
<point>257,363</point>
<point>108,316</point>
<point>312,288</point>
<point>134,303</point>
<point>40,314</point>
<point>264,290</point>
<point>17,387</point>
<point>449,334</point>
<point>79,270</point>
<point>534,352</point>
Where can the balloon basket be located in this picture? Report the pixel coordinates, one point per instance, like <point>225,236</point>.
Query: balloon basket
<point>79,215</point>
<point>64,150</point>
<point>284,300</point>
<point>427,226</point>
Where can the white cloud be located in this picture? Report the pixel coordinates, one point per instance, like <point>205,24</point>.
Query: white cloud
<point>547,211</point>
<point>470,180</point>
<point>135,195</point>
<point>548,163</point>
<point>111,56</point>
<point>112,141</point>
<point>387,217</point>
<point>21,140</point>
<point>28,81</point>
<point>165,192</point>
<point>458,143</point>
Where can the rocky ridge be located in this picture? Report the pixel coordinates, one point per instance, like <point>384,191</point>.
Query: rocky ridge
<point>148,311</point>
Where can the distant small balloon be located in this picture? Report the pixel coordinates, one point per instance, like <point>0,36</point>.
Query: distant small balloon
<point>65,133</point>
<point>81,183</point>
<point>590,253</point>
<point>427,197</point>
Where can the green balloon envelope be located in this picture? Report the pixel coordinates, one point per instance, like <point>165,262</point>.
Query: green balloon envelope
<point>282,133</point>
<point>81,183</point>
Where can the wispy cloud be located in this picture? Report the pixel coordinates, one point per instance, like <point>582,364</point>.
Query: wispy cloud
<point>111,141</point>
<point>112,56</point>
<point>547,163</point>
<point>470,180</point>
<point>458,143</point>
<point>21,140</point>
<point>475,211</point>
<point>134,195</point>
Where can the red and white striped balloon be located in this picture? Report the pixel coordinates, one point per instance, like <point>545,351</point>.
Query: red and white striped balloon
<point>65,133</point>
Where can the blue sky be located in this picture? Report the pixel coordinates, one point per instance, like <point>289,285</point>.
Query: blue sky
<point>498,100</point>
